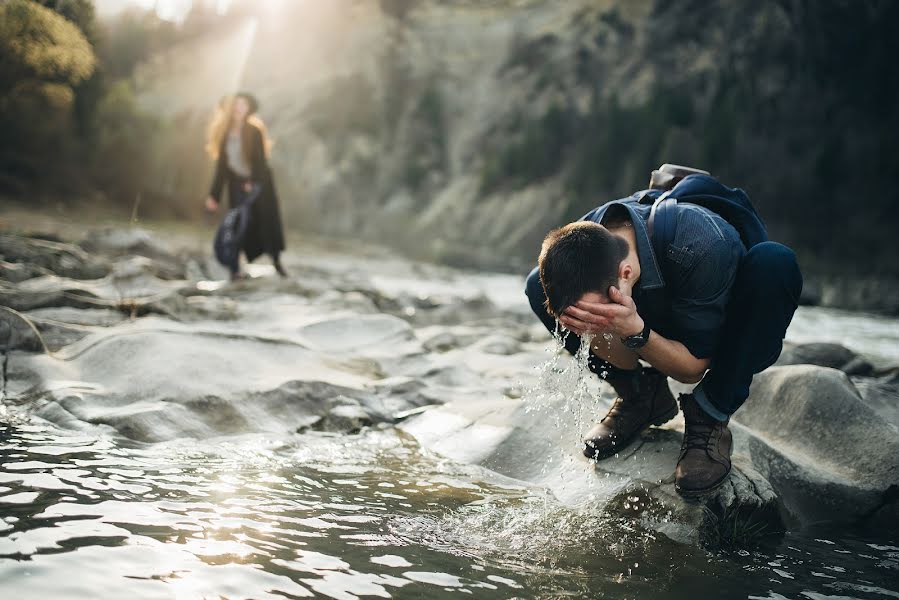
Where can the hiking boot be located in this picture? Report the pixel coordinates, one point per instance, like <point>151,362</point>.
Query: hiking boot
<point>642,401</point>
<point>704,461</point>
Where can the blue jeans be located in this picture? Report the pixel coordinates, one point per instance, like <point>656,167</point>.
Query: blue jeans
<point>763,299</point>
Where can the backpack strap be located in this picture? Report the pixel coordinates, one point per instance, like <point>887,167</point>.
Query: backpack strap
<point>662,223</point>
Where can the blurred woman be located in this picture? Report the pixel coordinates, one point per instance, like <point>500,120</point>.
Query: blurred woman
<point>237,140</point>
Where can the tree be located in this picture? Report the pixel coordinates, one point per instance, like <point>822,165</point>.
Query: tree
<point>45,57</point>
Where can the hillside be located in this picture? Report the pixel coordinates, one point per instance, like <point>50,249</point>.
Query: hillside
<point>462,131</point>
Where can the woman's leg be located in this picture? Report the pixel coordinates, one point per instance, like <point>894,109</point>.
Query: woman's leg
<point>276,260</point>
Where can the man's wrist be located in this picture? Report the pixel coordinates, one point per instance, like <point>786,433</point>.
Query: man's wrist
<point>639,339</point>
<point>639,327</point>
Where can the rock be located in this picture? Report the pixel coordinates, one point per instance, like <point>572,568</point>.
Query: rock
<point>881,395</point>
<point>442,341</point>
<point>135,243</point>
<point>347,417</point>
<point>125,241</point>
<point>350,334</point>
<point>541,446</point>
<point>858,366</point>
<point>822,354</point>
<point>18,272</point>
<point>499,344</point>
<point>18,332</point>
<point>35,257</point>
<point>61,326</point>
<point>805,439</point>
<point>830,455</point>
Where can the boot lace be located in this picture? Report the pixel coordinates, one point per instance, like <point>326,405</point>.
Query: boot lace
<point>618,409</point>
<point>697,437</point>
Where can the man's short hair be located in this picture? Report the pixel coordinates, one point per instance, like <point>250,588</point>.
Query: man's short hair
<point>578,258</point>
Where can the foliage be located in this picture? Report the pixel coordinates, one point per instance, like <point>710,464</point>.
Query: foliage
<point>131,38</point>
<point>71,121</point>
<point>794,101</point>
<point>537,153</point>
<point>45,58</point>
<point>40,46</point>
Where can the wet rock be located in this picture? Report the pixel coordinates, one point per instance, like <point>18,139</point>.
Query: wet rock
<point>499,344</point>
<point>18,332</point>
<point>352,333</point>
<point>35,257</point>
<point>126,241</point>
<point>20,298</point>
<point>805,440</point>
<point>858,366</point>
<point>881,395</point>
<point>830,454</point>
<point>543,447</point>
<point>347,417</point>
<point>18,272</point>
<point>834,356</point>
<point>135,243</point>
<point>61,326</point>
<point>442,341</point>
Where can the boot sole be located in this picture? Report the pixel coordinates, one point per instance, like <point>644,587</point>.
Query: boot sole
<point>699,493</point>
<point>658,421</point>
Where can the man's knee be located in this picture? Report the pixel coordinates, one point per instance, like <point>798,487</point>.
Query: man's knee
<point>772,266</point>
<point>534,289</point>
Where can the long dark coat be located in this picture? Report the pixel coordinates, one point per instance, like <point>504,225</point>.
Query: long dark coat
<point>264,234</point>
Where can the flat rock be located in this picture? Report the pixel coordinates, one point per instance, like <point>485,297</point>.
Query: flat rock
<point>34,256</point>
<point>542,447</point>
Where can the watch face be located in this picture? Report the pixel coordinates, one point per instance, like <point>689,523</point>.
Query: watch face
<point>636,341</point>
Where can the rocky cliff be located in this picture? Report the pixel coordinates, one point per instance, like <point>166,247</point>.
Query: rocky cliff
<point>463,130</point>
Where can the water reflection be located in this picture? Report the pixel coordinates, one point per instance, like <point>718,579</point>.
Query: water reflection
<point>348,517</point>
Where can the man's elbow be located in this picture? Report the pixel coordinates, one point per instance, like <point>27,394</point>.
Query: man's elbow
<point>689,377</point>
<point>693,373</point>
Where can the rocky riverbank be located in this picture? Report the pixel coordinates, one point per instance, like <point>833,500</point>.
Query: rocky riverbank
<point>120,332</point>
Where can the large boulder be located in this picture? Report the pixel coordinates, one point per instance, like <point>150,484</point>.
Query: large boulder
<point>830,454</point>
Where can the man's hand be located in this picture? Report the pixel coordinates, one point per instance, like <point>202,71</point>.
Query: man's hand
<point>211,204</point>
<point>619,316</point>
<point>247,186</point>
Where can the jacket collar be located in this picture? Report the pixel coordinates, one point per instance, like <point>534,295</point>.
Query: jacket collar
<point>650,273</point>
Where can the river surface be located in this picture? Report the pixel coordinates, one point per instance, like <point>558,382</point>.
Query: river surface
<point>366,515</point>
<point>90,514</point>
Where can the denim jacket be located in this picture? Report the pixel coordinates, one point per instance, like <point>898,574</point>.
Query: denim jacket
<point>683,294</point>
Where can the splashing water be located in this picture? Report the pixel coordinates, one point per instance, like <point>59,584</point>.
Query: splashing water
<point>566,393</point>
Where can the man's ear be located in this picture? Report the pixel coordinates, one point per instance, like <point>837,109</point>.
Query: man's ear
<point>625,270</point>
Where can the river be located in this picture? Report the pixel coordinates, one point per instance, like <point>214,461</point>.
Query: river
<point>269,513</point>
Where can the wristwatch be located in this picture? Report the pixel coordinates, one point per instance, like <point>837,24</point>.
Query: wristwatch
<point>635,342</point>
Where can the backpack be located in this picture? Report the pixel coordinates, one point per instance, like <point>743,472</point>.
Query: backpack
<point>732,204</point>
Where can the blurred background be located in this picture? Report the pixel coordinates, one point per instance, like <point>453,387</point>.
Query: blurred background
<point>460,131</point>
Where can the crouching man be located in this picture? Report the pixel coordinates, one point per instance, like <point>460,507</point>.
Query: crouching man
<point>701,298</point>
